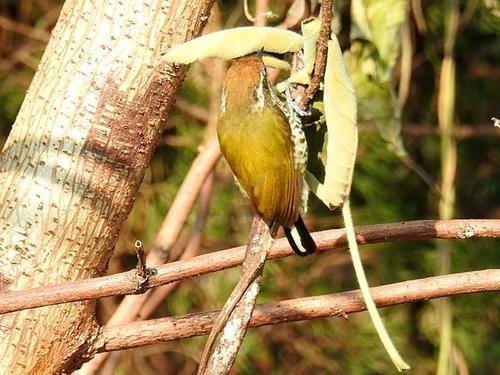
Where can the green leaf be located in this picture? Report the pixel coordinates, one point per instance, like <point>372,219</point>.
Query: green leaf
<point>376,100</point>
<point>375,47</point>
<point>379,23</point>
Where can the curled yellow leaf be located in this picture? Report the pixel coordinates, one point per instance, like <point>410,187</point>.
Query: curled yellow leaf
<point>233,43</point>
<point>341,140</point>
<point>274,62</point>
<point>310,32</point>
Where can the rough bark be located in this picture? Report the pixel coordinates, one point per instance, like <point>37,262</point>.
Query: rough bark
<point>74,160</point>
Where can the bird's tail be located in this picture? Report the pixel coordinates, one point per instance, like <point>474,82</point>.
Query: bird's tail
<point>300,239</point>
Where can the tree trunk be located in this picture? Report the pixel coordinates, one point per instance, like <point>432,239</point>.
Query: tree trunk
<point>74,160</point>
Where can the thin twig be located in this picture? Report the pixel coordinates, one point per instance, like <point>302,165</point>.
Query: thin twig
<point>173,328</point>
<point>406,60</point>
<point>418,14</point>
<point>195,111</point>
<point>141,260</point>
<point>446,207</point>
<point>247,13</point>
<point>261,12</point>
<point>460,131</point>
<point>298,11</point>
<point>468,12</point>
<point>124,283</point>
<point>30,32</point>
<point>320,64</point>
<point>412,165</point>
<point>184,200</point>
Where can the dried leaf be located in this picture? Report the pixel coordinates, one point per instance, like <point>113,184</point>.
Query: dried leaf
<point>274,62</point>
<point>233,43</point>
<point>299,10</point>
<point>340,143</point>
<point>310,32</point>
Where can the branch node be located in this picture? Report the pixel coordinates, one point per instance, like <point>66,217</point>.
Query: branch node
<point>142,272</point>
<point>468,232</point>
<point>343,314</point>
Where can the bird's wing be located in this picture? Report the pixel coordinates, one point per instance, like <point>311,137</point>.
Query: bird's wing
<point>260,154</point>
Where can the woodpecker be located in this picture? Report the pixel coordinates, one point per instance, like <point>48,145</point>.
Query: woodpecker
<point>266,154</point>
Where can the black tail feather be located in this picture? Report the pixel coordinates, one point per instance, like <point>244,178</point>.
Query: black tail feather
<point>302,243</point>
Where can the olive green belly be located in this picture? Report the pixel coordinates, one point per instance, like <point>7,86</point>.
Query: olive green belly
<point>260,154</point>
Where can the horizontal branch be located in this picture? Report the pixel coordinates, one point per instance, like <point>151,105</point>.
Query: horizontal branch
<point>459,131</point>
<point>340,304</point>
<point>129,283</point>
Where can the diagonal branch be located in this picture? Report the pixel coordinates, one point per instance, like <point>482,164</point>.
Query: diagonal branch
<point>235,316</point>
<point>192,248</point>
<point>30,32</point>
<point>126,283</point>
<point>171,227</point>
<point>173,328</point>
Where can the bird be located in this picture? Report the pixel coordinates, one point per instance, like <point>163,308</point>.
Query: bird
<point>265,152</point>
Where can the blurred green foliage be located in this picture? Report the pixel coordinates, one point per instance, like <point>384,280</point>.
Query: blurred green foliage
<point>383,191</point>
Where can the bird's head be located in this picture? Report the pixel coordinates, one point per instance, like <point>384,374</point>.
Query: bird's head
<point>244,84</point>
